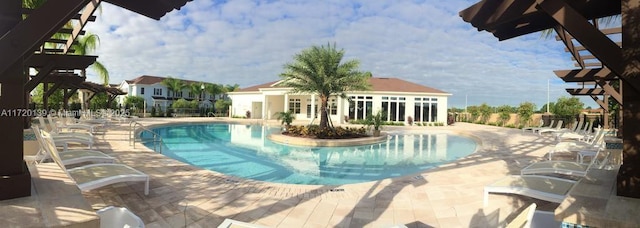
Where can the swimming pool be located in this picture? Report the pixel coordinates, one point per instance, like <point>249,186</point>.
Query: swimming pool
<point>244,151</point>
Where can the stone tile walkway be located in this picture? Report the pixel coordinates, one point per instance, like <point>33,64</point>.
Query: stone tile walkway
<point>448,196</point>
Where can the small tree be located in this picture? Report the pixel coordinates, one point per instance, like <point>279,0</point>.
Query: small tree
<point>525,111</point>
<point>485,112</point>
<point>222,105</point>
<point>475,113</point>
<point>504,114</point>
<point>286,118</point>
<point>375,121</point>
<point>568,108</point>
<point>134,101</point>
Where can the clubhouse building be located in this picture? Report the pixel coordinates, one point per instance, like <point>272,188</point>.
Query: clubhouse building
<point>398,99</point>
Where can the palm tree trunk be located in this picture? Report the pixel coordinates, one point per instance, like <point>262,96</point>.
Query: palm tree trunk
<point>324,123</point>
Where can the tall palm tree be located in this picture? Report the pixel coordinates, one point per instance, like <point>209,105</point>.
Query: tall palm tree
<point>318,70</point>
<point>87,44</point>
<point>195,89</point>
<point>214,89</point>
<point>174,85</point>
<point>229,88</point>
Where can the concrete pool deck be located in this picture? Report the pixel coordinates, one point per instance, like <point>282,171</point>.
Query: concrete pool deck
<point>448,196</point>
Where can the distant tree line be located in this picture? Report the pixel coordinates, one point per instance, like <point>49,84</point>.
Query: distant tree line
<point>565,108</point>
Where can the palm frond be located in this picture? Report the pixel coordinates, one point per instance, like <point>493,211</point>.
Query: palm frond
<point>102,72</point>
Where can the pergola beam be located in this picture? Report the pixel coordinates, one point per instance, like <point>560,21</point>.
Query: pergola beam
<point>85,17</point>
<point>566,39</point>
<point>32,32</point>
<point>42,73</point>
<point>607,51</point>
<point>585,75</point>
<point>607,31</point>
<point>585,91</point>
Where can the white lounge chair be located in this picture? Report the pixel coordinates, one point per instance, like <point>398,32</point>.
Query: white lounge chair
<point>94,176</point>
<point>58,127</point>
<point>118,217</point>
<point>70,157</point>
<point>557,128</point>
<point>230,223</point>
<point>71,123</point>
<point>581,134</point>
<point>546,188</point>
<point>531,128</point>
<point>529,217</point>
<point>551,124</point>
<point>524,218</point>
<point>556,131</point>
<point>565,167</point>
<point>592,144</point>
<point>65,138</point>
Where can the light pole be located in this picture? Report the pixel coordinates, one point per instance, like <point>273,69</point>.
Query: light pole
<point>200,100</point>
<point>548,80</point>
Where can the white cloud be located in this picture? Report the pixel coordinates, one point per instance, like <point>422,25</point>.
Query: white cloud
<point>248,41</point>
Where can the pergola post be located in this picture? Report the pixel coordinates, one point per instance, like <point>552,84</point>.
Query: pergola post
<point>15,178</point>
<point>628,181</point>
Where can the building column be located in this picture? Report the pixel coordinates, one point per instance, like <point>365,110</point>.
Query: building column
<point>264,107</point>
<point>313,106</point>
<point>15,178</point>
<point>286,102</point>
<point>340,108</point>
<point>628,181</point>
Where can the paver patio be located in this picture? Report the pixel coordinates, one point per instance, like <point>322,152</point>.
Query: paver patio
<point>448,196</point>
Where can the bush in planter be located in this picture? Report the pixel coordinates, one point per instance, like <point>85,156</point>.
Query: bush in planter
<point>285,117</point>
<point>376,121</point>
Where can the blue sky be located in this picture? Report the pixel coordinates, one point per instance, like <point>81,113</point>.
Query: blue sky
<point>247,42</point>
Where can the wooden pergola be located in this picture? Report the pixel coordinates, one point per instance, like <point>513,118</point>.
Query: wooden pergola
<point>507,19</point>
<point>595,80</point>
<point>22,41</point>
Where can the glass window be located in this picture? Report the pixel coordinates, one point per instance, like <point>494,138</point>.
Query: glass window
<point>360,110</point>
<point>333,107</point>
<point>385,98</point>
<point>394,98</point>
<point>434,99</point>
<point>141,90</point>
<point>352,109</point>
<point>157,91</point>
<point>294,106</point>
<point>369,98</point>
<point>309,111</point>
<point>401,111</point>
<point>417,112</point>
<point>385,109</point>
<point>434,112</point>
<point>403,98</point>
<point>393,111</point>
<point>425,112</point>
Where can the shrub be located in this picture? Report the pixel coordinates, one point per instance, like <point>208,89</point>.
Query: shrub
<point>314,131</point>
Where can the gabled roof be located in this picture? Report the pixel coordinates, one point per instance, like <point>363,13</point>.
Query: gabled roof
<point>150,80</point>
<point>377,84</point>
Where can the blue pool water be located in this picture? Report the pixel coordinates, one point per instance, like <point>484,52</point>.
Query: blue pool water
<point>244,151</point>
